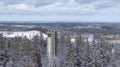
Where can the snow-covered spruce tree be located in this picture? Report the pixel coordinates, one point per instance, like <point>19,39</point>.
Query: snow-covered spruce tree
<point>37,44</point>
<point>24,52</point>
<point>3,51</point>
<point>83,52</point>
<point>62,49</point>
<point>102,53</point>
<point>75,53</point>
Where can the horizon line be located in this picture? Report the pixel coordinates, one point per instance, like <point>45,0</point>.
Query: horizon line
<point>14,21</point>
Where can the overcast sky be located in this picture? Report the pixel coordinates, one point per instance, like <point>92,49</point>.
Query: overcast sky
<point>60,10</point>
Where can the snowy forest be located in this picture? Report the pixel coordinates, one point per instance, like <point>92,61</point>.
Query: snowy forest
<point>24,52</point>
<point>59,33</point>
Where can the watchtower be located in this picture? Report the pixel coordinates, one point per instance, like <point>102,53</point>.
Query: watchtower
<point>52,47</point>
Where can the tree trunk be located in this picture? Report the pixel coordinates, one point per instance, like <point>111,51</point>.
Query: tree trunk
<point>4,64</point>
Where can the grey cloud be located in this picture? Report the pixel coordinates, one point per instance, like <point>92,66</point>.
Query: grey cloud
<point>105,4</point>
<point>47,2</point>
<point>10,1</point>
<point>85,1</point>
<point>85,7</point>
<point>35,2</point>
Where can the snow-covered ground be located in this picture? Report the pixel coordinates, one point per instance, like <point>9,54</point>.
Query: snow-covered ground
<point>113,41</point>
<point>88,37</point>
<point>73,40</point>
<point>27,26</point>
<point>28,34</point>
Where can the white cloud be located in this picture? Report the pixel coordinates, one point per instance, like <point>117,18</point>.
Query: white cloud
<point>61,8</point>
<point>19,6</point>
<point>57,9</point>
